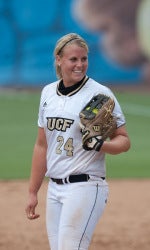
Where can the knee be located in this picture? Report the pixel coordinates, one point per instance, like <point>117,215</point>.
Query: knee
<point>73,241</point>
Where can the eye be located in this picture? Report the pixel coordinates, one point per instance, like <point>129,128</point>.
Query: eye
<point>73,59</point>
<point>84,59</point>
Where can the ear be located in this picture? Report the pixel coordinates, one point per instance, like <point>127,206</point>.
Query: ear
<point>58,60</point>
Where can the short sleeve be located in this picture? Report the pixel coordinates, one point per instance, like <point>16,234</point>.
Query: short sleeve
<point>118,113</point>
<point>41,112</point>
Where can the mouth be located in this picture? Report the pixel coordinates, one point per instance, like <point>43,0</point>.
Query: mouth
<point>78,71</point>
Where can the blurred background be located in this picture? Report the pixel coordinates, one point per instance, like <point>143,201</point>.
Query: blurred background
<point>118,34</point>
<point>119,45</point>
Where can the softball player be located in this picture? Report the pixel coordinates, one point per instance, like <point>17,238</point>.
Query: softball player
<point>77,190</point>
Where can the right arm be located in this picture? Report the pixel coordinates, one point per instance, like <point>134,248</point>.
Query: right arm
<point>38,171</point>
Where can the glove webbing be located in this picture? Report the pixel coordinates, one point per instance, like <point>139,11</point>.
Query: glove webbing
<point>92,106</point>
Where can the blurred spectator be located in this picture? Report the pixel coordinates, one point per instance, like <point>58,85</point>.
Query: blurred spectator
<point>117,23</point>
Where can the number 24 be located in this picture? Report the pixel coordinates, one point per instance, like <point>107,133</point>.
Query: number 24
<point>68,146</point>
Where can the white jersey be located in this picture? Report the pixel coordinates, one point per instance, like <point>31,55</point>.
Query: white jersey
<point>59,116</point>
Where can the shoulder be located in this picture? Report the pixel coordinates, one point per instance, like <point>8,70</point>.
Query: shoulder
<point>48,91</point>
<point>102,89</point>
<point>98,88</point>
<point>49,88</point>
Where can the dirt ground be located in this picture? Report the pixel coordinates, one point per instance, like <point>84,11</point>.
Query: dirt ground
<point>125,224</point>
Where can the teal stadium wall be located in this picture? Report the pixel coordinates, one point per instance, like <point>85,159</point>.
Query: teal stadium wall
<point>29,30</point>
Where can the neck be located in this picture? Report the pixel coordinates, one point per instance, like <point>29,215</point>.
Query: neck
<point>71,84</point>
<point>68,89</point>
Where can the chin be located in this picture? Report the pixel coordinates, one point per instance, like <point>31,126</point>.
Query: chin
<point>78,77</point>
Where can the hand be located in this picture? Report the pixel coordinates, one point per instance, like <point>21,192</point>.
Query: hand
<point>30,208</point>
<point>93,143</point>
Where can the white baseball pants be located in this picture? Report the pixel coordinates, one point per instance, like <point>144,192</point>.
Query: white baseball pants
<point>72,212</point>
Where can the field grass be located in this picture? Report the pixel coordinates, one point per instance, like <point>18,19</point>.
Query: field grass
<point>17,134</point>
<point>136,162</point>
<point>18,128</point>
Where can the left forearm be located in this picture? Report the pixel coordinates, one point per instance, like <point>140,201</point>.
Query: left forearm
<point>117,145</point>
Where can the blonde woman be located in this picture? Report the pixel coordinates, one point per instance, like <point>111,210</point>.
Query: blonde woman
<point>77,190</point>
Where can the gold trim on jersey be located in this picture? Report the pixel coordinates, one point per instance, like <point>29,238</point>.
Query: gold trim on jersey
<point>74,91</point>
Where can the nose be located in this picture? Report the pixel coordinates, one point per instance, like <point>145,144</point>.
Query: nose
<point>79,63</point>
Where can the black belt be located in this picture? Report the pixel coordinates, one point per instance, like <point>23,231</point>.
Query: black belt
<point>73,179</point>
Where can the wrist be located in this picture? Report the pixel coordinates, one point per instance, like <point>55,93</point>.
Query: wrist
<point>98,145</point>
<point>32,192</point>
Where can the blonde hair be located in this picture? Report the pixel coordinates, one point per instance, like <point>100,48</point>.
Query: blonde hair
<point>62,43</point>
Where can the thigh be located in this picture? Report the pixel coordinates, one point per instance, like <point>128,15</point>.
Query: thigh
<point>53,211</point>
<point>82,208</point>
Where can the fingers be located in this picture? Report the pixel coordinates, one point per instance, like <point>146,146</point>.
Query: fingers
<point>31,205</point>
<point>30,212</point>
<point>32,216</point>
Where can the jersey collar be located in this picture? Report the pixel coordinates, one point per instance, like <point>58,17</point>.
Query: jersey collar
<point>69,91</point>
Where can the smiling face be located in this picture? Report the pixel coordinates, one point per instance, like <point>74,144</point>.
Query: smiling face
<point>73,64</point>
